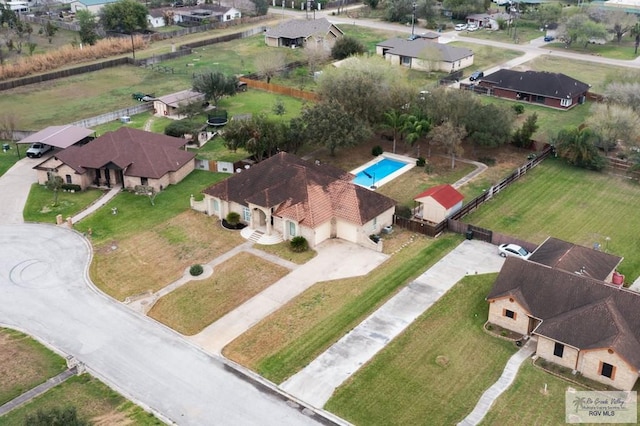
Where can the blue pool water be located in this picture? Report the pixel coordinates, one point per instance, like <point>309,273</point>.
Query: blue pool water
<point>378,171</point>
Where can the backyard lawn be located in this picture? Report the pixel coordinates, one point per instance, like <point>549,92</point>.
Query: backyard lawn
<point>436,371</point>
<point>572,204</point>
<point>10,157</point>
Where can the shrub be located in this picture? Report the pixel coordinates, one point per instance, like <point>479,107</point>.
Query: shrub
<point>403,211</point>
<point>198,197</point>
<point>345,47</point>
<point>375,238</point>
<point>421,162</point>
<point>71,187</point>
<point>299,244</point>
<point>196,270</point>
<point>178,128</point>
<point>487,160</point>
<point>518,108</point>
<point>376,150</point>
<point>233,218</point>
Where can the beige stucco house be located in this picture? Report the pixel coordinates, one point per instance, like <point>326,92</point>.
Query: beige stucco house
<point>300,32</point>
<point>425,55</point>
<point>287,196</point>
<point>438,203</point>
<point>126,157</point>
<point>582,321</point>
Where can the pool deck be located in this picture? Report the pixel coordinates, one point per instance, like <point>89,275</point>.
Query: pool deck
<point>411,163</point>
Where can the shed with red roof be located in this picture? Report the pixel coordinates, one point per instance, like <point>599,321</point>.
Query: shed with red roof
<point>438,202</point>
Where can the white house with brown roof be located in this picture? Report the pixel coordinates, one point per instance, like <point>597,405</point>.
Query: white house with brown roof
<point>299,32</point>
<point>126,157</point>
<point>169,104</point>
<point>424,54</point>
<point>287,196</point>
<point>438,203</point>
<point>581,322</point>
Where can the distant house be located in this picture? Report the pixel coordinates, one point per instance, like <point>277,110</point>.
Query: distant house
<point>550,89</point>
<point>285,196</point>
<point>127,157</point>
<point>93,6</point>
<point>423,54</point>
<point>169,104</point>
<point>581,322</point>
<point>193,15</point>
<point>489,21</point>
<point>299,32</point>
<point>438,203</point>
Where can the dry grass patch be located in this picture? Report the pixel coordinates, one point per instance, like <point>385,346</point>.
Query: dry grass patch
<point>197,304</point>
<point>283,250</point>
<point>154,258</point>
<point>24,363</point>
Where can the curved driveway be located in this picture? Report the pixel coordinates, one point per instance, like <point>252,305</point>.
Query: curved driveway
<point>45,292</point>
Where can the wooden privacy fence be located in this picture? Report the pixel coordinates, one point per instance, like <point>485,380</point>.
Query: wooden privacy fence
<point>282,90</point>
<point>420,226</point>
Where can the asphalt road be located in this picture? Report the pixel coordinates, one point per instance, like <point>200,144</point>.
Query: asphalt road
<point>44,291</point>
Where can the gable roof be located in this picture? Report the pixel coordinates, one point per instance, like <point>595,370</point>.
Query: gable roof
<point>180,98</point>
<point>416,48</point>
<point>59,136</point>
<point>574,258</point>
<point>301,28</point>
<point>446,195</point>
<point>136,152</point>
<point>544,83</point>
<point>575,310</point>
<point>95,2</point>
<point>310,194</point>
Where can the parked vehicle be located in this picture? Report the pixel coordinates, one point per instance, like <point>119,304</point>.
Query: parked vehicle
<point>549,38</point>
<point>476,75</point>
<point>514,250</point>
<point>461,27</point>
<point>472,27</point>
<point>36,150</point>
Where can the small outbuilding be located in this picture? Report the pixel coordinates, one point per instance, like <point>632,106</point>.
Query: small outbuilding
<point>438,203</point>
<point>169,104</point>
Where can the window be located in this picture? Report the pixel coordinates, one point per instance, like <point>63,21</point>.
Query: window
<point>405,60</point>
<point>292,229</point>
<point>216,205</point>
<point>374,224</point>
<point>246,214</point>
<point>566,102</point>
<point>509,314</point>
<point>144,181</point>
<point>97,173</point>
<point>558,350</point>
<point>68,178</point>
<point>607,370</point>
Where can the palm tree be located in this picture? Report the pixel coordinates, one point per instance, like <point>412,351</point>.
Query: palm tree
<point>578,147</point>
<point>394,121</point>
<point>417,128</point>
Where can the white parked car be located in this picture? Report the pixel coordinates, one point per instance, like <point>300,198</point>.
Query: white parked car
<point>37,149</point>
<point>472,27</point>
<point>514,250</point>
<point>461,27</point>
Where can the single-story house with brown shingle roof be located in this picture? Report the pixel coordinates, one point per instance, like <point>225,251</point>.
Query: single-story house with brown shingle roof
<point>299,32</point>
<point>545,88</point>
<point>127,157</point>
<point>289,196</point>
<point>438,203</point>
<point>169,104</point>
<point>581,323</point>
<point>422,54</point>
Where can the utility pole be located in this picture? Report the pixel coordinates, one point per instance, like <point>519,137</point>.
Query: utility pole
<point>413,20</point>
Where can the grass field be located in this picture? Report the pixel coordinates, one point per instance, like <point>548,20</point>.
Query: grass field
<point>94,401</point>
<point>572,204</point>
<point>436,370</point>
<point>10,157</point>
<point>24,364</point>
<point>289,339</point>
<point>40,208</point>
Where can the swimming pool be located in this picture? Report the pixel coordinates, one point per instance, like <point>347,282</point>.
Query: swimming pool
<point>381,170</point>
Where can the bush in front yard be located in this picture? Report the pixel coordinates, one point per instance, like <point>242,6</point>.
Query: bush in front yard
<point>233,218</point>
<point>299,244</point>
<point>196,270</point>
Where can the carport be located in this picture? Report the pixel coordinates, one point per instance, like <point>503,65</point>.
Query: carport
<point>60,136</point>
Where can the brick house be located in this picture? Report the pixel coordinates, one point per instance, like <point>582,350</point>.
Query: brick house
<point>127,157</point>
<point>581,321</point>
<point>555,90</point>
<point>286,196</point>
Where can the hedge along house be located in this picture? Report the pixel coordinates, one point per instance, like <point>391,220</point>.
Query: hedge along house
<point>582,323</point>
<point>545,88</point>
<point>424,55</point>
<point>299,32</point>
<point>285,196</point>
<point>126,157</point>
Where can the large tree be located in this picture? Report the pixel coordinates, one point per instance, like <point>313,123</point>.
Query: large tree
<point>578,148</point>
<point>269,64</point>
<point>624,93</point>
<point>214,85</point>
<point>416,128</point>
<point>546,14</point>
<point>580,29</point>
<point>617,22</point>
<point>331,126</point>
<point>125,16</point>
<point>394,120</point>
<point>450,137</point>
<point>88,27</point>
<point>614,123</point>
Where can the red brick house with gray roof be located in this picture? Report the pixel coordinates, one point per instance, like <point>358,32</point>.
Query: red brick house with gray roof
<point>127,157</point>
<point>581,323</point>
<point>287,196</point>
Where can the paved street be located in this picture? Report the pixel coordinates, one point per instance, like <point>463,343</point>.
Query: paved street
<point>44,292</point>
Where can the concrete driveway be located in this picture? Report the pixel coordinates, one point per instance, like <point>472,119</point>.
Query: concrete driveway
<point>14,188</point>
<point>44,291</point>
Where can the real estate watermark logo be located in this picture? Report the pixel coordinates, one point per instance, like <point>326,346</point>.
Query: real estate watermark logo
<point>601,407</point>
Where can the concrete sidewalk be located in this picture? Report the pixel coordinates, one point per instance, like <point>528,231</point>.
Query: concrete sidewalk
<point>316,383</point>
<point>508,376</point>
<point>97,204</point>
<point>37,391</point>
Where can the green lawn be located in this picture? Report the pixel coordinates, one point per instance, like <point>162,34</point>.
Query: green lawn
<point>136,213</point>
<point>40,208</point>
<point>436,371</point>
<point>572,204</point>
<point>10,157</point>
<point>94,401</point>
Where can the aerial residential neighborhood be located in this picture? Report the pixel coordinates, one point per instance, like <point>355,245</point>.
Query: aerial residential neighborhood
<point>337,213</point>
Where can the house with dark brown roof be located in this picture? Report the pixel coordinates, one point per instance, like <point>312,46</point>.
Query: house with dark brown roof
<point>285,196</point>
<point>582,323</point>
<point>438,202</point>
<point>299,32</point>
<point>424,54</point>
<point>555,90</point>
<point>127,157</point>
